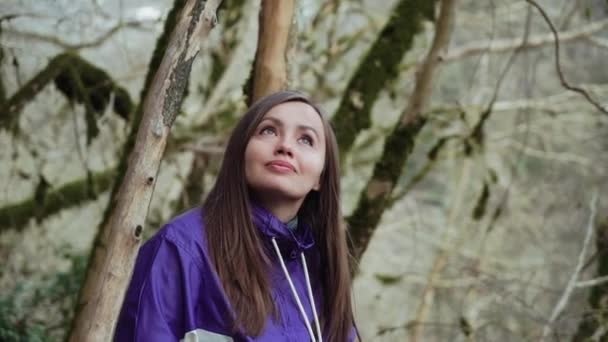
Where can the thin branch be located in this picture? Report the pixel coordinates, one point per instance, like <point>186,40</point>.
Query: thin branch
<point>599,42</point>
<point>204,149</point>
<point>592,282</point>
<point>572,283</point>
<point>70,46</point>
<point>558,67</point>
<point>505,44</point>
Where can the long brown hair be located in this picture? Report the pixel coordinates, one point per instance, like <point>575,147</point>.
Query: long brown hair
<point>237,250</point>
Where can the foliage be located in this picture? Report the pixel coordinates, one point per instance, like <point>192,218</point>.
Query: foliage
<point>24,312</point>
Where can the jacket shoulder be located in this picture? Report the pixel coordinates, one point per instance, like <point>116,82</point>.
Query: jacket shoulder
<point>186,231</point>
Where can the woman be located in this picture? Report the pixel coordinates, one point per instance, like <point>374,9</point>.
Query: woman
<point>266,257</point>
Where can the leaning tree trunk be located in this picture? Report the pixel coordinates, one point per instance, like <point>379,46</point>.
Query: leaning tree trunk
<point>379,67</point>
<point>270,64</point>
<point>398,145</point>
<point>116,248</point>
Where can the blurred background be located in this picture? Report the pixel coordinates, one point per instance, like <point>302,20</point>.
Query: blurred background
<point>475,167</point>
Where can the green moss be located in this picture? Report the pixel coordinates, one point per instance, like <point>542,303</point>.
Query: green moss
<point>397,149</point>
<point>2,90</point>
<point>48,201</point>
<point>248,85</point>
<point>90,85</point>
<point>27,299</point>
<point>379,67</point>
<point>388,279</point>
<point>123,105</point>
<point>13,106</point>
<point>480,207</point>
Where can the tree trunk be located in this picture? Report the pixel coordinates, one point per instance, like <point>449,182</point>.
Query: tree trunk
<point>270,64</point>
<point>379,67</point>
<point>118,241</point>
<point>398,146</point>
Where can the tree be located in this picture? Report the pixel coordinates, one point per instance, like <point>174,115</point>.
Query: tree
<point>120,234</point>
<point>464,189</point>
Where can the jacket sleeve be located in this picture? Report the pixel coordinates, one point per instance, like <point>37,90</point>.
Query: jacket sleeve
<point>154,308</point>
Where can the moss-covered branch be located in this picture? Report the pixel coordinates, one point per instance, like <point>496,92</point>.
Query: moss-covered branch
<point>379,67</point>
<point>2,90</point>
<point>376,195</point>
<point>77,79</point>
<point>48,201</point>
<point>398,146</point>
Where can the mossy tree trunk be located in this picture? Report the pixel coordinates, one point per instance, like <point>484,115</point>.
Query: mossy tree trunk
<point>399,144</point>
<point>378,68</point>
<point>119,237</point>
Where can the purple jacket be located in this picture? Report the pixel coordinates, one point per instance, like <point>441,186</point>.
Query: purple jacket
<point>175,294</point>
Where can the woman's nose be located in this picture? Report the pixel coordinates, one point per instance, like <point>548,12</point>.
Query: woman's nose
<point>283,147</point>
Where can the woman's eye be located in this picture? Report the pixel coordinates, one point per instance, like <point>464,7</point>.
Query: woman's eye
<point>267,130</point>
<point>306,140</point>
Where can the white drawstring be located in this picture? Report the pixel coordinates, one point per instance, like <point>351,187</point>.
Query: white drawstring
<point>311,298</point>
<point>297,298</point>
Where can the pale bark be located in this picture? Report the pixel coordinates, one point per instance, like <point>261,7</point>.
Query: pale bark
<point>270,70</point>
<point>118,241</point>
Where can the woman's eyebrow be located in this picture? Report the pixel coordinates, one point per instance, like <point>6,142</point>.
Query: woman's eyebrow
<point>308,128</point>
<point>279,123</point>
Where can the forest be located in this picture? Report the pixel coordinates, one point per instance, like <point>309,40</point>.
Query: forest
<point>473,139</point>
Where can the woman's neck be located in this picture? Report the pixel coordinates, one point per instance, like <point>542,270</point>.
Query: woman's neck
<point>283,210</point>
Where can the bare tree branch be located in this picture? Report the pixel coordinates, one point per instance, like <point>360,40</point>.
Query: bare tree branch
<point>572,283</point>
<point>504,45</point>
<point>558,67</point>
<point>599,42</point>
<point>592,282</point>
<point>54,40</point>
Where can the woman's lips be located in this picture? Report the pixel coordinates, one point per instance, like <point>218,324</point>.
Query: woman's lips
<point>281,166</point>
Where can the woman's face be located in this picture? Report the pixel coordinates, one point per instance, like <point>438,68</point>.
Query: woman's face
<point>285,155</point>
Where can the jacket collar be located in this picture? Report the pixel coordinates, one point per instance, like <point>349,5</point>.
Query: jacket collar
<point>291,241</point>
